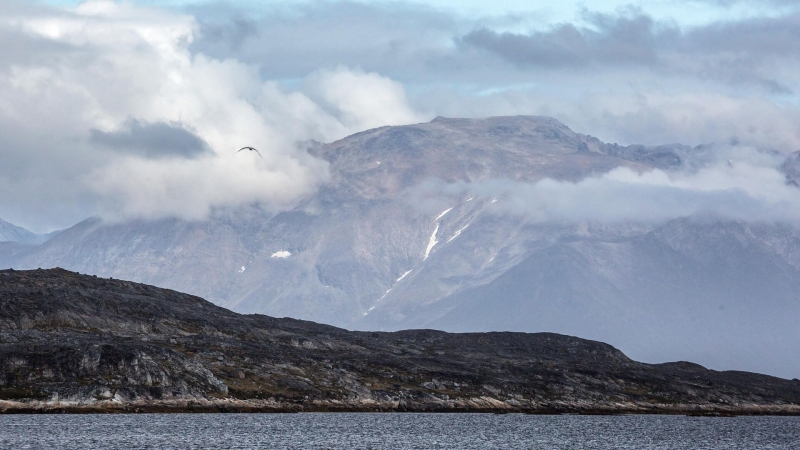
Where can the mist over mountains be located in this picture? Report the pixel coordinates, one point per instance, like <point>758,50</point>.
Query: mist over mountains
<point>504,223</point>
<point>12,233</point>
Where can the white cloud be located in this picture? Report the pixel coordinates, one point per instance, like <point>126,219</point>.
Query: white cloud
<point>361,100</point>
<point>78,80</point>
<point>683,112</point>
<point>741,190</point>
<point>119,64</point>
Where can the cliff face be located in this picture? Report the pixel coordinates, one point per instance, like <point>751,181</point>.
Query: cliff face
<point>75,342</point>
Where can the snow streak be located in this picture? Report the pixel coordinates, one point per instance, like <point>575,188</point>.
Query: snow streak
<point>433,241</point>
<point>458,232</point>
<point>403,275</point>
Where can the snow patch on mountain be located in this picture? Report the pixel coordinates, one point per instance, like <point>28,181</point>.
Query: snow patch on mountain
<point>379,300</point>
<point>458,232</point>
<point>433,240</point>
<point>443,213</point>
<point>403,275</point>
<point>387,292</point>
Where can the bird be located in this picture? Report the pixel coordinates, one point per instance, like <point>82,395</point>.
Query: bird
<point>251,149</point>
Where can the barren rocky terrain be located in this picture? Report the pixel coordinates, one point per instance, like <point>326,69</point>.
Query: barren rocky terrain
<point>79,343</point>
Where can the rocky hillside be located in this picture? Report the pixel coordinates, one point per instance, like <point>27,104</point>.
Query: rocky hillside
<point>370,251</point>
<point>71,342</point>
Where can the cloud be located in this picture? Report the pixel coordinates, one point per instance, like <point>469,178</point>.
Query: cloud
<point>92,90</point>
<point>617,40</point>
<point>359,100</point>
<point>418,44</point>
<point>291,41</point>
<point>191,189</point>
<point>105,106</point>
<point>156,140</point>
<point>747,189</point>
<point>666,114</point>
<point>791,4</point>
<point>742,52</point>
<point>624,76</point>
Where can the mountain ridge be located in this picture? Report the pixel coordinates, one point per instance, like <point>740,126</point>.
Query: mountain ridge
<point>80,343</point>
<point>12,233</point>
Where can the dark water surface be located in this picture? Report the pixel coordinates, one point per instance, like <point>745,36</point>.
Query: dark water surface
<point>395,431</point>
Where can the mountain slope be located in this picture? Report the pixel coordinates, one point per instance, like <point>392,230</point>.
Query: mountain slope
<point>333,255</point>
<point>12,233</point>
<point>373,250</point>
<point>703,298</point>
<point>71,342</point>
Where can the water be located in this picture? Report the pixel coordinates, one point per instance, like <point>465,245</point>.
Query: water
<point>395,431</point>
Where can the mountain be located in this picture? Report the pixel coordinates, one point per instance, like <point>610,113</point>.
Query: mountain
<point>12,233</point>
<point>79,343</point>
<point>373,250</point>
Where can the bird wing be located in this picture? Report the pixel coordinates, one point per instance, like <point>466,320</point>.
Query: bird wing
<point>251,149</point>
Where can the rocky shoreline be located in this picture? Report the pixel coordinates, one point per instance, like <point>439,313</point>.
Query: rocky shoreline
<point>471,405</point>
<point>72,343</point>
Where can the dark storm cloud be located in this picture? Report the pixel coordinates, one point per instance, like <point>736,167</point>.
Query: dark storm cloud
<point>618,40</point>
<point>747,51</point>
<point>152,140</point>
<point>757,38</point>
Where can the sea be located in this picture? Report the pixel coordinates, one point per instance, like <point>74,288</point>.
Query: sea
<point>395,431</point>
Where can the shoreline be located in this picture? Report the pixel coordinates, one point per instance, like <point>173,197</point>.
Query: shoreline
<point>470,406</point>
<point>70,343</point>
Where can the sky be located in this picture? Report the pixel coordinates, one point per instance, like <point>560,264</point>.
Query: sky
<point>136,109</point>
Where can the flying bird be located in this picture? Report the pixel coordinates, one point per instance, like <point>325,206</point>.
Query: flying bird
<point>251,149</point>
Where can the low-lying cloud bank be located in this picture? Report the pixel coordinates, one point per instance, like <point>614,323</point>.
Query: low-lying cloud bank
<point>739,191</point>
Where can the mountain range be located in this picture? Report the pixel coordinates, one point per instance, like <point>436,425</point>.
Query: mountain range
<point>378,248</point>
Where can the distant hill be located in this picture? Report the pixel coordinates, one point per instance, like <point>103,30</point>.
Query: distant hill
<point>367,252</point>
<point>12,233</point>
<point>71,343</point>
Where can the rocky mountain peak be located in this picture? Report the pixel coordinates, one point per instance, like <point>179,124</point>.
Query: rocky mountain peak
<point>387,160</point>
